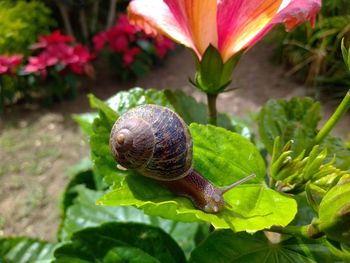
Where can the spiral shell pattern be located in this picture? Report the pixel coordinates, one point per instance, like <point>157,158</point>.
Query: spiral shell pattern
<point>154,141</point>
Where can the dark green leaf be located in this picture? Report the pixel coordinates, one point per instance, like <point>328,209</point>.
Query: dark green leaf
<point>25,250</point>
<point>128,254</point>
<point>305,213</point>
<point>337,147</point>
<point>192,111</point>
<point>295,120</point>
<point>95,244</point>
<point>85,213</point>
<point>225,247</point>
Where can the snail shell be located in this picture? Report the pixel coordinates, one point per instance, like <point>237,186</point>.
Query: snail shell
<point>154,141</point>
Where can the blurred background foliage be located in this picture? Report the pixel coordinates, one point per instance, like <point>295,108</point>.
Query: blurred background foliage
<point>21,24</point>
<point>312,55</point>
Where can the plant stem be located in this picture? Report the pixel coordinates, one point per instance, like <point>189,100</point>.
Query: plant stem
<point>111,14</point>
<point>212,112</point>
<point>334,119</point>
<point>308,231</point>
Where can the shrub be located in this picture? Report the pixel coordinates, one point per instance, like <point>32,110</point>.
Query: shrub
<point>8,68</point>
<point>313,55</point>
<point>21,24</point>
<point>56,65</point>
<point>132,51</point>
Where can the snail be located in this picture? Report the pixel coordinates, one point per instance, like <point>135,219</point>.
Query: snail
<point>155,142</point>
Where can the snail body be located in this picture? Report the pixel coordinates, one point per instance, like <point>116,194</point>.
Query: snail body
<point>156,142</point>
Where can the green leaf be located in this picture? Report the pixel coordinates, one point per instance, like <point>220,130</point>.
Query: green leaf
<point>295,120</point>
<point>209,73</point>
<point>222,157</point>
<point>81,174</point>
<point>225,246</point>
<point>346,54</point>
<point>126,100</point>
<point>85,213</point>
<point>98,243</point>
<point>337,147</point>
<point>192,111</point>
<point>128,254</point>
<point>85,121</point>
<point>305,213</point>
<point>25,250</point>
<point>213,75</point>
<point>95,103</point>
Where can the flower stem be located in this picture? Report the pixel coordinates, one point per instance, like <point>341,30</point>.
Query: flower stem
<point>334,119</point>
<point>212,112</point>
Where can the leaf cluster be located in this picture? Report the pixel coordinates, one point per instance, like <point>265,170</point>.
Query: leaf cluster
<point>137,220</point>
<point>313,54</point>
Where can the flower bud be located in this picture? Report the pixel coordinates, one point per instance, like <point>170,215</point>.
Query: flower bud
<point>334,212</point>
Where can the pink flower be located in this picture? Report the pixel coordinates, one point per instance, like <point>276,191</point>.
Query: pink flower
<point>129,56</point>
<point>229,25</point>
<point>8,64</point>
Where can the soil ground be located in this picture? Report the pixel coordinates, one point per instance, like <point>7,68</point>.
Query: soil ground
<point>38,145</point>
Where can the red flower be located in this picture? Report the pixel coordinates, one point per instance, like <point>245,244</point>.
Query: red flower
<point>129,56</point>
<point>99,40</point>
<point>54,37</point>
<point>8,64</point>
<point>162,46</point>
<point>119,43</point>
<point>56,51</point>
<point>119,37</point>
<point>81,58</point>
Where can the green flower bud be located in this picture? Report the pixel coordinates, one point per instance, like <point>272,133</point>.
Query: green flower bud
<point>334,212</point>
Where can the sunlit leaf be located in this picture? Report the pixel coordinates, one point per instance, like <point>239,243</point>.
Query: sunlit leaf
<point>222,157</point>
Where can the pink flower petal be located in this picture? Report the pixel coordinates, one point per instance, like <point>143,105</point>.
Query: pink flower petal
<point>292,13</point>
<point>190,22</point>
<point>154,16</point>
<point>240,21</point>
<point>296,12</point>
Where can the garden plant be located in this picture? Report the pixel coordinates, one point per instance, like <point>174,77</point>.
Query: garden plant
<point>295,209</point>
<point>313,54</point>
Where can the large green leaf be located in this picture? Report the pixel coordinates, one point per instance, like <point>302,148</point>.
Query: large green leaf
<point>225,247</point>
<point>295,120</point>
<point>85,121</point>
<point>85,213</point>
<point>112,241</point>
<point>222,157</point>
<point>25,250</point>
